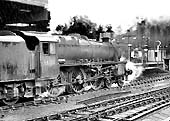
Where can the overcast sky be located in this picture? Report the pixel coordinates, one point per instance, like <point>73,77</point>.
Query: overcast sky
<point>114,12</point>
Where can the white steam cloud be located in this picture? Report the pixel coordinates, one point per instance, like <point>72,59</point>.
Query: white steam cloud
<point>137,70</point>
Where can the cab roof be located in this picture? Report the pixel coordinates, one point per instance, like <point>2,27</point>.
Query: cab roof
<point>9,36</point>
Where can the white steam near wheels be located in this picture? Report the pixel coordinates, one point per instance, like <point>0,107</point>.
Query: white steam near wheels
<point>136,70</point>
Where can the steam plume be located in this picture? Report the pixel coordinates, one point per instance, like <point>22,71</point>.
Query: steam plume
<point>137,70</point>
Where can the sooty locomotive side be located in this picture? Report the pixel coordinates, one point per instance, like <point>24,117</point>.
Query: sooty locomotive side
<point>34,63</point>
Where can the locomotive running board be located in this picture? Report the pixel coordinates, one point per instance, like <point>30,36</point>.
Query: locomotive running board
<point>92,63</point>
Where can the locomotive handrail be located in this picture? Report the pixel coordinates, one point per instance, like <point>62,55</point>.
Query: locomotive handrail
<point>94,63</point>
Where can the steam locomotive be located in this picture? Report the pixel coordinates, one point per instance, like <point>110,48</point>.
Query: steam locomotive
<point>33,63</point>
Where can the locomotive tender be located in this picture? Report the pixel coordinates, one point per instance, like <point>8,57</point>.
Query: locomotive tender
<point>33,63</point>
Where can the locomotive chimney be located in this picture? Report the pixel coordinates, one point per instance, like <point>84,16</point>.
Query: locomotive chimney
<point>106,37</point>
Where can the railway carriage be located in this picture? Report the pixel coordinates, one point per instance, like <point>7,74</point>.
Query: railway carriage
<point>34,63</point>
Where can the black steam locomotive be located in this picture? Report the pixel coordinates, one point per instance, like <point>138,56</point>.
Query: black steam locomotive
<point>34,63</point>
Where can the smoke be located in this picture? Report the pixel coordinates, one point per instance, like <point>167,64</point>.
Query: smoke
<point>137,70</point>
<point>122,58</point>
<point>161,19</point>
<point>56,91</point>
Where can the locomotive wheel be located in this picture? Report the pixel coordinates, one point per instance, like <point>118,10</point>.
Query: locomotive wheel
<point>97,84</point>
<point>87,86</point>
<point>108,83</point>
<point>120,83</point>
<point>10,101</point>
<point>9,98</point>
<point>76,76</point>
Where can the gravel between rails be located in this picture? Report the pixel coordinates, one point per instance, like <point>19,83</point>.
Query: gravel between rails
<point>74,102</point>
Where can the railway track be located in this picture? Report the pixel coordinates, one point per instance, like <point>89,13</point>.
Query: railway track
<point>136,84</point>
<point>114,108</point>
<point>102,106</point>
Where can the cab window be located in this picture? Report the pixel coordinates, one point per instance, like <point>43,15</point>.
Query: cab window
<point>45,48</point>
<point>48,48</point>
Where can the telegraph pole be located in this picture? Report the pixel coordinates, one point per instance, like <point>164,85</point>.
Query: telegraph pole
<point>157,51</point>
<point>129,45</point>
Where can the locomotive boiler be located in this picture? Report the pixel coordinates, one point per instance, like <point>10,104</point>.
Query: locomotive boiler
<point>33,63</point>
<point>76,48</point>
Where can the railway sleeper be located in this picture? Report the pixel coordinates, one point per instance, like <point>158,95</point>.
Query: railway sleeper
<point>146,111</point>
<point>121,110</point>
<point>147,93</point>
<point>138,111</point>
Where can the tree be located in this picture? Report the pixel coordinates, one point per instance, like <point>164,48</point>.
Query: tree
<point>98,31</point>
<point>119,30</point>
<point>83,26</point>
<point>109,28</point>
